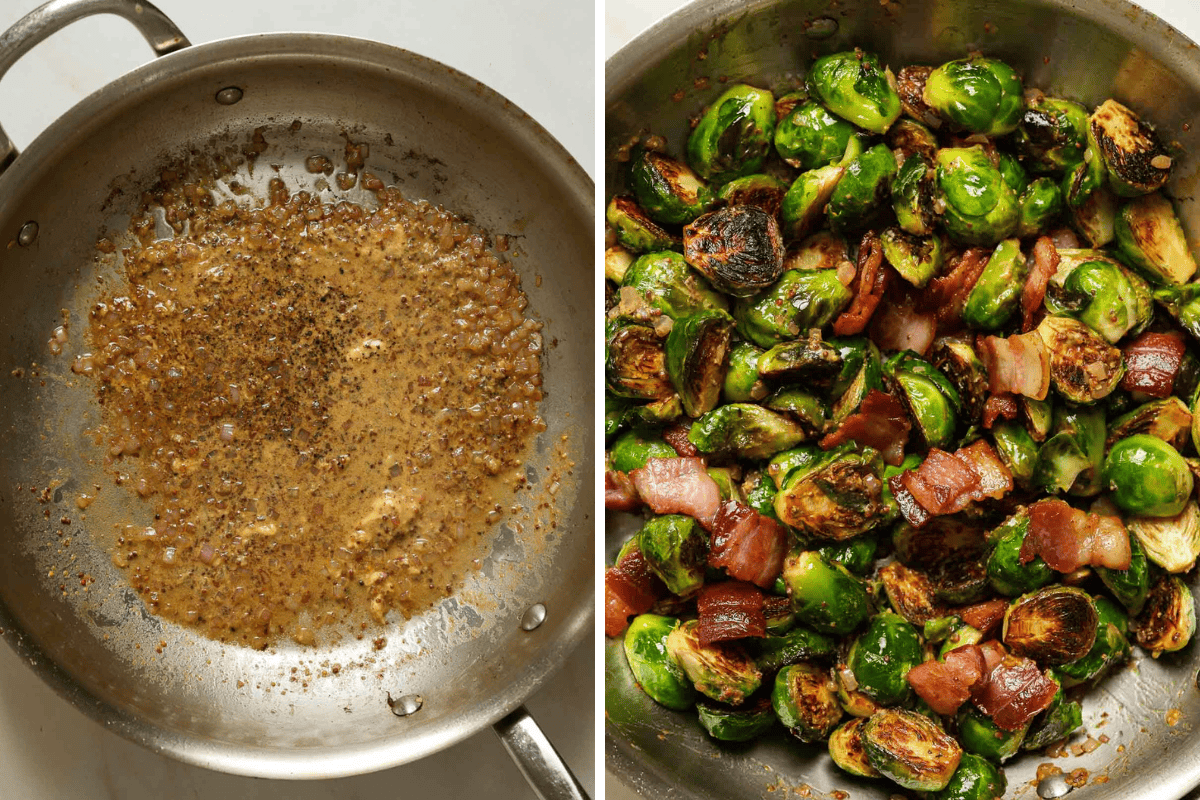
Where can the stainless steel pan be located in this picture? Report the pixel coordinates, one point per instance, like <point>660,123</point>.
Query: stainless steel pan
<point>285,712</point>
<point>1085,50</point>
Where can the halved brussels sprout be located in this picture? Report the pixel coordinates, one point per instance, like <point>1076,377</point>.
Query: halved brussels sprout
<point>667,283</point>
<point>881,657</point>
<point>825,595</point>
<point>980,207</point>
<point>1100,292</point>
<point>615,409</point>
<point>1110,647</point>
<point>773,653</point>
<point>855,86</point>
<point>1150,237</point>
<point>745,430</point>
<point>1006,573</point>
<point>734,136</point>
<point>759,190</point>
<point>975,779</point>
<point>799,300</point>
<point>1129,585</point>
<point>805,700</point>
<point>1136,160</point>
<point>759,491</point>
<point>801,406</point>
<point>909,137</point>
<point>804,204</point>
<point>1147,477</point>
<point>721,670</point>
<point>658,412</point>
<point>822,250</point>
<point>1092,207</point>
<point>936,631</point>
<point>812,360</point>
<point>1012,171</point>
<point>847,751</point>
<point>1053,625</point>
<point>856,555</point>
<point>696,348</point>
<point>979,735</point>
<point>1059,462</point>
<point>738,248</point>
<point>1083,367</point>
<point>910,749</point>
<point>912,191</point>
<point>1182,303</point>
<point>932,400</point>
<point>1071,459</point>
<point>635,229</point>
<point>667,189</point>
<point>728,724</point>
<point>676,550</point>
<point>811,137</point>
<point>853,702</point>
<point>1052,134</point>
<point>785,104</point>
<point>837,497</point>
<point>1168,620</point>
<point>800,459</point>
<point>726,480</point>
<point>910,593</point>
<point>947,537</point>
<point>956,359</point>
<point>616,261</point>
<point>892,508</point>
<point>1016,449</point>
<point>742,383</point>
<point>997,292</point>
<point>1041,203</point>
<point>868,377</point>
<point>1039,416</point>
<point>1172,543</point>
<point>863,189</point>
<point>660,677</point>
<point>916,258</point>
<point>1057,722</point>
<point>980,94</point>
<point>962,635</point>
<point>633,449</point>
<point>1167,419</point>
<point>635,361</point>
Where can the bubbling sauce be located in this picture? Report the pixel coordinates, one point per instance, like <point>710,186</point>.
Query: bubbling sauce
<point>327,407</point>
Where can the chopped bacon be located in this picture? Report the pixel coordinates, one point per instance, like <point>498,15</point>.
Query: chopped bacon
<point>1014,692</point>
<point>1152,361</point>
<point>1019,364</point>
<point>995,480</point>
<point>984,616</point>
<point>677,436</point>
<point>619,493</point>
<point>1067,538</point>
<point>881,422</point>
<point>629,588</point>
<point>730,610</point>
<point>1002,404</point>
<point>946,685</point>
<point>1045,264</point>
<point>910,509</point>
<point>946,294</point>
<point>899,325</point>
<point>873,280</point>
<point>678,486</point>
<point>749,545</point>
<point>947,483</point>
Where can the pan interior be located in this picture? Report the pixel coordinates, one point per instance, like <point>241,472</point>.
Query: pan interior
<point>288,711</point>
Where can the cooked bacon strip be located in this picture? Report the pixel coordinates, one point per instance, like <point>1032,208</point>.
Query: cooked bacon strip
<point>1018,364</point>
<point>899,325</point>
<point>873,280</point>
<point>1045,264</point>
<point>947,483</point>
<point>946,294</point>
<point>985,616</point>
<point>677,436</point>
<point>910,509</point>
<point>730,610</point>
<point>629,588</point>
<point>619,494</point>
<point>999,405</point>
<point>1152,361</point>
<point>749,545</point>
<point>995,480</point>
<point>678,486</point>
<point>946,685</point>
<point>1014,692</point>
<point>1067,538</point>
<point>881,422</point>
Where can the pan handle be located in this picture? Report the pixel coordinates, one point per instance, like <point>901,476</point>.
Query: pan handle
<point>51,17</point>
<point>537,759</point>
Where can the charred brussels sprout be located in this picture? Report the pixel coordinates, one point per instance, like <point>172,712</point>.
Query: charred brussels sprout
<point>1129,585</point>
<point>635,229</point>
<point>956,359</point>
<point>1071,459</point>
<point>881,657</point>
<point>799,300</point>
<point>1053,134</point>
<point>676,550</point>
<point>1098,291</point>
<point>933,401</point>
<point>805,700</point>
<point>910,593</point>
<point>912,191</point>
<point>734,136</point>
<point>1168,621</point>
<point>759,491</point>
<point>855,86</point>
<point>980,94</point>
<point>667,283</point>
<point>1147,477</point>
<point>761,191</point>
<point>1150,237</point>
<point>742,383</point>
<point>847,751</point>
<point>804,204</point>
<point>850,397</point>
<point>1083,367</point>
<point>632,450</point>
<point>917,259</point>
<point>772,653</point>
<point>802,407</point>
<point>811,137</point>
<point>1054,625</point>
<point>975,779</point>
<point>1182,303</point>
<point>863,189</point>
<point>1016,449</point>
<point>660,677</point>
<point>667,189</point>
<point>721,671</point>
<point>979,735</point>
<point>1110,646</point>
<point>745,430</point>
<point>1092,207</point>
<point>910,137</point>
<point>1057,722</point>
<point>696,348</point>
<point>1137,162</point>
<point>1040,204</point>
<point>635,361</point>
<point>825,595</point>
<point>1172,543</point>
<point>727,724</point>
<point>1167,419</point>
<point>910,749</point>
<point>995,296</point>
<point>658,412</point>
<point>836,497</point>
<point>1005,571</point>
<point>980,207</point>
<point>819,363</point>
<point>738,248</point>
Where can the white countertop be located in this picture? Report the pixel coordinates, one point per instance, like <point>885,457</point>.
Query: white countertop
<point>50,751</point>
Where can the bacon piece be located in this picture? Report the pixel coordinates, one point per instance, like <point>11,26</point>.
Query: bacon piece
<point>984,616</point>
<point>872,283</point>
<point>1017,364</point>
<point>946,294</point>
<point>1014,692</point>
<point>993,653</point>
<point>749,545</point>
<point>899,325</point>
<point>1045,264</point>
<point>908,505</point>
<point>629,588</point>
<point>619,493</point>
<point>995,480</point>
<point>730,610</point>
<point>947,483</point>
<point>946,685</point>
<point>677,436</point>
<point>881,422</point>
<point>678,486</point>
<point>999,405</point>
<point>1152,361</point>
<point>1067,538</point>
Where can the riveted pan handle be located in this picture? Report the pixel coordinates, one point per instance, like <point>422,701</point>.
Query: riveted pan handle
<point>537,759</point>
<point>51,17</point>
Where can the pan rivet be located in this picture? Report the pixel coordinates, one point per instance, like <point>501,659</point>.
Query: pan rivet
<point>27,234</point>
<point>405,705</point>
<point>229,95</point>
<point>1053,786</point>
<point>821,28</point>
<point>534,616</point>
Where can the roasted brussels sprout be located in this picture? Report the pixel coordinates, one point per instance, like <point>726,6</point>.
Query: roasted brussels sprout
<point>863,189</point>
<point>962,635</point>
<point>1150,237</point>
<point>1071,459</point>
<point>667,189</point>
<point>1057,722</point>
<point>1012,171</point>
<point>980,94</point>
<point>744,430</point>
<point>1130,585</point>
<point>1110,646</point>
<point>932,400</point>
<point>616,261</point>
<point>979,735</point>
<point>615,409</point>
<point>908,137</point>
<point>825,595</point>
<point>1054,625</point>
<point>742,383</point>
<point>801,643</point>
<point>1172,543</point>
<point>726,480</point>
<point>1182,303</point>
<point>814,361</point>
<point>1098,291</point>
<point>1167,419</point>
<point>728,724</point>
<point>759,491</point>
<point>1083,367</point>
<point>847,751</point>
<point>855,86</point>
<point>910,749</point>
<point>738,248</point>
<point>667,283</point>
<point>1039,415</point>
<point>997,293</point>
<point>980,207</point>
<point>1147,477</point>
<point>660,677</point>
<point>955,358</point>
<point>823,250</point>
<point>912,191</point>
<point>1040,203</point>
<point>910,593</point>
<point>881,657</point>
<point>802,406</point>
<point>676,550</point>
<point>635,361</point>
<point>1093,211</point>
<point>804,204</point>
<point>696,348</point>
<point>1016,449</point>
<point>857,555</point>
<point>657,412</point>
<point>759,190</point>
<point>836,497</point>
<point>916,258</point>
<point>805,701</point>
<point>975,779</point>
<point>1053,134</point>
<point>1136,161</point>
<point>811,137</point>
<point>734,136</point>
<point>1168,620</point>
<point>721,670</point>
<point>635,230</point>
<point>1005,571</point>
<point>633,449</point>
<point>799,300</point>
